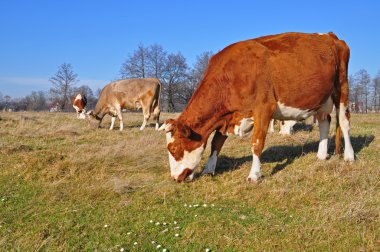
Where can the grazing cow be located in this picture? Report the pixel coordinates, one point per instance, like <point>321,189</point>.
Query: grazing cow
<point>128,94</point>
<point>288,76</point>
<point>79,104</point>
<point>286,127</point>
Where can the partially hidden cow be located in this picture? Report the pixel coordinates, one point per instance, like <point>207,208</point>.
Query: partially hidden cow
<point>289,76</point>
<point>128,94</point>
<point>79,104</point>
<point>286,127</point>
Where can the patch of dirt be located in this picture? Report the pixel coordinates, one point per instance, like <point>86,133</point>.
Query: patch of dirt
<point>17,149</point>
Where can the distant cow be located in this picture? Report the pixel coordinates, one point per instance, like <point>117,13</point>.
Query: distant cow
<point>128,94</point>
<point>79,104</point>
<point>286,127</point>
<point>289,76</point>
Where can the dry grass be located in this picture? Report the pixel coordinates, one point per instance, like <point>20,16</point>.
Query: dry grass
<point>61,183</point>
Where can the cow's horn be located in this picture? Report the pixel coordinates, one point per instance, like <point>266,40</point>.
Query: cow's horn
<point>167,127</point>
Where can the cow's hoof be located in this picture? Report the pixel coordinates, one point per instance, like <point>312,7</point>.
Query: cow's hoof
<point>205,173</point>
<point>323,156</point>
<point>255,179</point>
<point>349,159</point>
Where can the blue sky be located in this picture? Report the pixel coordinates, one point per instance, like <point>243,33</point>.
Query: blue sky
<point>97,36</point>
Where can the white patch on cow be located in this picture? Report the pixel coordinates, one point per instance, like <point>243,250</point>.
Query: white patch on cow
<point>255,172</point>
<point>271,126</point>
<point>82,115</point>
<point>246,125</point>
<point>287,127</point>
<point>78,97</point>
<point>76,108</point>
<point>157,126</point>
<point>211,164</point>
<point>324,127</point>
<point>236,129</point>
<point>190,160</point>
<point>345,126</point>
<point>112,122</point>
<point>169,137</point>
<point>284,112</point>
<point>172,163</point>
<point>320,33</point>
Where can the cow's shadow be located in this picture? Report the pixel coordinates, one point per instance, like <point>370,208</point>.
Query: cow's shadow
<point>286,154</point>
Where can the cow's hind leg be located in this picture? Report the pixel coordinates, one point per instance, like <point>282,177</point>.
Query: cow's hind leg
<point>344,124</point>
<point>216,146</point>
<point>146,114</point>
<point>156,116</point>
<point>262,120</point>
<point>120,116</point>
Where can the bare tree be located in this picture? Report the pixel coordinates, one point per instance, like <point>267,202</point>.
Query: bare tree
<point>7,101</point>
<point>376,92</point>
<point>363,79</point>
<point>63,82</point>
<point>171,69</point>
<point>135,65</point>
<point>174,77</point>
<point>156,60</point>
<point>36,101</point>
<point>197,73</point>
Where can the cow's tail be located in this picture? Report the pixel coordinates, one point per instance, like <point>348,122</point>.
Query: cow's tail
<point>156,103</point>
<point>341,95</point>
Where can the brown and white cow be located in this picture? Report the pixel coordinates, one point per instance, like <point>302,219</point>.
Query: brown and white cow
<point>288,76</point>
<point>79,104</point>
<point>286,127</point>
<point>128,94</point>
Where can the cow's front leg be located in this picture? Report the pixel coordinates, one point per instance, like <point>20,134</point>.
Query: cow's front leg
<point>216,145</point>
<point>113,118</point>
<point>262,120</point>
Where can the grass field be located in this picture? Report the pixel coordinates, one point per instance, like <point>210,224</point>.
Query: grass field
<point>65,187</point>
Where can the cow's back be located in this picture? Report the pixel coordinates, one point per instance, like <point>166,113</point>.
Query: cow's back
<point>301,66</point>
<point>136,86</point>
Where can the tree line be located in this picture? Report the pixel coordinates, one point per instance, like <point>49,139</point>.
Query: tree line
<point>178,78</point>
<point>364,92</point>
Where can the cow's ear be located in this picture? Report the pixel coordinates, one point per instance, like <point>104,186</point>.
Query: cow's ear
<point>184,130</point>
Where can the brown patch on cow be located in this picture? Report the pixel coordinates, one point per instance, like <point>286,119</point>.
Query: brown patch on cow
<point>184,175</point>
<point>232,121</point>
<point>348,114</point>
<point>184,139</point>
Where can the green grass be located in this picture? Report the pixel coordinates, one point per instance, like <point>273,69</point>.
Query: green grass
<point>64,186</point>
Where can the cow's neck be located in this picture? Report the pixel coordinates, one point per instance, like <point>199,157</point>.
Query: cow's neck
<point>100,112</point>
<point>204,113</point>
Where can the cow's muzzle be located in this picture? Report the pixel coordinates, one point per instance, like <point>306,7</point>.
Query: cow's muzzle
<point>185,174</point>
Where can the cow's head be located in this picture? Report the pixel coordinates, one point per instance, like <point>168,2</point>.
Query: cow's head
<point>185,148</point>
<point>79,103</point>
<point>93,119</point>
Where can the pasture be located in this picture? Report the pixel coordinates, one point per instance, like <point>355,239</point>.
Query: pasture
<point>64,186</point>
